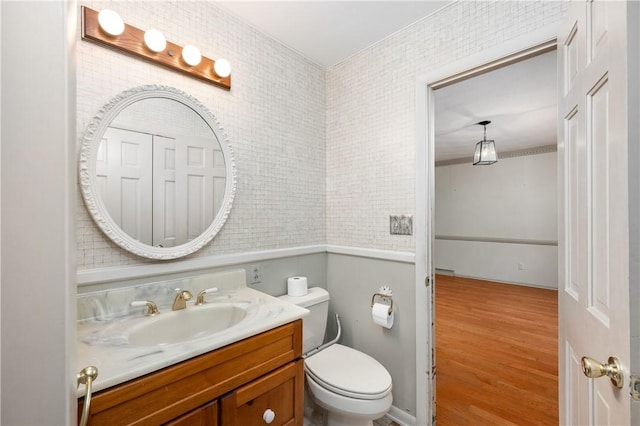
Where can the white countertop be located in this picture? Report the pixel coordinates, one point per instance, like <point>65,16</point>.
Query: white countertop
<point>105,345</point>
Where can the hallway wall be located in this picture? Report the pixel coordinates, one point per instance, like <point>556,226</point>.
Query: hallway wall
<point>512,200</point>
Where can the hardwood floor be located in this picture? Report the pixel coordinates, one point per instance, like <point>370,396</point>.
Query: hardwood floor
<point>496,353</point>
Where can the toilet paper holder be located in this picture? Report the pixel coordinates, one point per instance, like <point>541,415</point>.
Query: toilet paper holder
<point>386,297</point>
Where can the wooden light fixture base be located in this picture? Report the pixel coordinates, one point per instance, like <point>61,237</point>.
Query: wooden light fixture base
<point>132,41</point>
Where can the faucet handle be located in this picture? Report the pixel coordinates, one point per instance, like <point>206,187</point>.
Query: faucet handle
<point>200,298</point>
<point>152,308</point>
<point>183,294</point>
<point>180,302</point>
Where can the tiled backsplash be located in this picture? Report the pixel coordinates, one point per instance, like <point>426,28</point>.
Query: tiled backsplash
<point>109,304</point>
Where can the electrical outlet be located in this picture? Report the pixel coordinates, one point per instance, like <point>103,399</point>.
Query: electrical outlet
<point>521,266</point>
<point>255,274</point>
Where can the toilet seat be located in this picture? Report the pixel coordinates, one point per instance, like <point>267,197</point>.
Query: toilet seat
<point>349,372</point>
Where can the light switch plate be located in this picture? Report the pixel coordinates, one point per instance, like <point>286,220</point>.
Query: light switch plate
<point>401,224</point>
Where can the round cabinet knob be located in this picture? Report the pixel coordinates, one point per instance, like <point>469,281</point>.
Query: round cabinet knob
<point>268,416</point>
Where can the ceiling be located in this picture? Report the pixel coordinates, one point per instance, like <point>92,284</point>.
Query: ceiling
<point>519,100</point>
<point>328,32</point>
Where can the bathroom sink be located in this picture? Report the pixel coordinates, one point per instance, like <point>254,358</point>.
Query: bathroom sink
<point>186,324</point>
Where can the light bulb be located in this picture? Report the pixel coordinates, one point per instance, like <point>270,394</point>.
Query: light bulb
<point>110,22</point>
<point>154,40</point>
<point>222,68</point>
<point>191,55</point>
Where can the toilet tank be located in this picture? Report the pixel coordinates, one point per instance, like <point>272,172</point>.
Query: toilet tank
<point>314,324</point>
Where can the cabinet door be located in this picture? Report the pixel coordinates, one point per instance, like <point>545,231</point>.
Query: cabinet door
<point>275,399</point>
<point>203,416</point>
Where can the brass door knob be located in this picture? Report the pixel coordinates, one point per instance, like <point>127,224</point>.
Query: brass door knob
<point>594,369</point>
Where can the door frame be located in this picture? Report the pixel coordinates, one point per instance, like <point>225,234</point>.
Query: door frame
<point>531,44</point>
<point>633,63</point>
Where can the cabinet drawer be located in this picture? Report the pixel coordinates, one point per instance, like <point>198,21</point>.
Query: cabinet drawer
<point>280,392</point>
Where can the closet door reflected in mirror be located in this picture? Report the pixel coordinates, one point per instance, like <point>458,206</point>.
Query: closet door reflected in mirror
<point>157,172</point>
<point>178,182</point>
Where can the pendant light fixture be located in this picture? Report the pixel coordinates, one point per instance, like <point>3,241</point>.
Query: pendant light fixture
<point>485,149</point>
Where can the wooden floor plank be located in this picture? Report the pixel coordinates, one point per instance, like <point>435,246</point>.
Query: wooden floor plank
<point>496,353</point>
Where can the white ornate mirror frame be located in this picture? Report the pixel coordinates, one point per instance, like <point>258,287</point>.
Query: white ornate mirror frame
<point>88,165</point>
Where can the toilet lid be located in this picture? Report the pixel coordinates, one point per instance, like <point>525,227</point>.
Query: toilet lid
<point>349,372</point>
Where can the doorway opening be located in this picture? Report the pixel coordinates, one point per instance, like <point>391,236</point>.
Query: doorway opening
<point>495,226</point>
<point>517,51</point>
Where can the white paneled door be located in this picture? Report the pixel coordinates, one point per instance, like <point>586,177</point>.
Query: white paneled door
<point>198,189</point>
<point>165,220</point>
<point>594,254</point>
<point>124,180</point>
<point>188,185</point>
<point>162,191</point>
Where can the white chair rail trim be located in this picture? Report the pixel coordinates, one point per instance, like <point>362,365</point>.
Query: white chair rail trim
<point>117,273</point>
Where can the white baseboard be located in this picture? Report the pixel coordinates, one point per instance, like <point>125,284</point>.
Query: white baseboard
<point>401,417</point>
<point>512,282</point>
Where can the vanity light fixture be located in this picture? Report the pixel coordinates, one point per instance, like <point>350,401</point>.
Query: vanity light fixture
<point>110,22</point>
<point>222,68</point>
<point>155,40</point>
<point>152,46</point>
<point>485,149</point>
<point>191,55</point>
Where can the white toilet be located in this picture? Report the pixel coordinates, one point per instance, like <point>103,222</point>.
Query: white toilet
<point>351,386</point>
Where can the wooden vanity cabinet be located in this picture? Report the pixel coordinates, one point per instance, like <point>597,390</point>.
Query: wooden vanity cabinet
<point>232,385</point>
<point>203,416</point>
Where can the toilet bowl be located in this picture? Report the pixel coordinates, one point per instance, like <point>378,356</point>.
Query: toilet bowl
<point>352,387</point>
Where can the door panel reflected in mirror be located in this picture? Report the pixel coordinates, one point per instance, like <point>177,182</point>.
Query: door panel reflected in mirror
<point>156,177</point>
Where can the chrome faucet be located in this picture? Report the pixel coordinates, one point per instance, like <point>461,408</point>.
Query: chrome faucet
<point>180,302</point>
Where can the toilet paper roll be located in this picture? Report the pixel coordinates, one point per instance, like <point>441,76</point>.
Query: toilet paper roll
<point>381,316</point>
<point>297,286</point>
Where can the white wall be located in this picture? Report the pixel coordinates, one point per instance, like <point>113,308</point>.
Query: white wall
<point>371,112</point>
<point>512,200</point>
<point>274,116</point>
<point>38,199</point>
<point>371,143</point>
<point>352,281</point>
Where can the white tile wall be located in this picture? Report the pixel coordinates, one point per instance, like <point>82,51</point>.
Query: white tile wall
<point>274,116</point>
<point>371,112</point>
<point>282,108</point>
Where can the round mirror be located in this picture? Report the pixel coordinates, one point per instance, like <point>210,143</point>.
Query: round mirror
<point>157,172</point>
